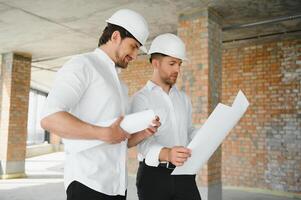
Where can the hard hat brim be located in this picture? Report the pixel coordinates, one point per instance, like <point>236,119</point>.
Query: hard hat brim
<point>184,58</point>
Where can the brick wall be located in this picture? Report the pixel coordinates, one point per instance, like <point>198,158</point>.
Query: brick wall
<point>264,149</point>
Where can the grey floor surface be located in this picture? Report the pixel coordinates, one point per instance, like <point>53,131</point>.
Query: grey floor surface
<point>45,182</point>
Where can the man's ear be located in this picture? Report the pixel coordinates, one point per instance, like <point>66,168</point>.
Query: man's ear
<point>115,37</point>
<point>155,63</point>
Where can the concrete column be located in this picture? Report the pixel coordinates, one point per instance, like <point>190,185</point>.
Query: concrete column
<point>55,140</point>
<point>201,79</point>
<point>14,90</point>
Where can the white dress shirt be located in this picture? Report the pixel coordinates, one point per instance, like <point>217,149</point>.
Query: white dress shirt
<point>175,112</point>
<point>88,87</point>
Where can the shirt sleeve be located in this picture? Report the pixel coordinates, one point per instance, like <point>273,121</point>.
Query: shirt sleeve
<point>70,84</point>
<point>149,148</point>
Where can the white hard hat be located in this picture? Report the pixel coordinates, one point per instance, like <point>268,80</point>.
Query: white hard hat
<point>168,44</point>
<point>133,22</point>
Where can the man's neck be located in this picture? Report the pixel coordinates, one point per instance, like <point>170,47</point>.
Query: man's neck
<point>108,50</point>
<point>165,87</point>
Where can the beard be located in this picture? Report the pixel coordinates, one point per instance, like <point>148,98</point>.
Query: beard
<point>121,63</point>
<point>171,80</point>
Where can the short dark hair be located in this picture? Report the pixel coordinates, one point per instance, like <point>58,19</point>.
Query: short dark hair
<point>156,56</point>
<point>109,30</point>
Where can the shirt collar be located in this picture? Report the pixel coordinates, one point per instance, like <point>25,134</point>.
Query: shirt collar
<point>151,85</point>
<point>104,56</point>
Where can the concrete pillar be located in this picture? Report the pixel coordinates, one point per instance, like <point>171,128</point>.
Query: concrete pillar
<point>14,90</point>
<point>201,79</point>
<point>55,140</point>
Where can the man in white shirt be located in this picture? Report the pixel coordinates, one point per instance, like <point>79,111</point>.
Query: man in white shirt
<point>160,153</point>
<point>87,91</point>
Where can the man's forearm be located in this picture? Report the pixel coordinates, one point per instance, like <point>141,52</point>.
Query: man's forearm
<point>136,138</point>
<point>68,126</point>
<point>164,154</point>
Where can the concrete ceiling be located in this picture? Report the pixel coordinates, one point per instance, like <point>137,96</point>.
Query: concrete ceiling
<point>52,31</point>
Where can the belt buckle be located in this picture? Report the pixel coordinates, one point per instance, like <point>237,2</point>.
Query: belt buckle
<point>168,164</point>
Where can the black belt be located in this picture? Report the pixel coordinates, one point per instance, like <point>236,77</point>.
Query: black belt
<point>167,165</point>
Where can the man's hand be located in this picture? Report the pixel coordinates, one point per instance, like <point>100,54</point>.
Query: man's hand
<point>178,155</point>
<point>141,135</point>
<point>115,134</point>
<point>152,129</point>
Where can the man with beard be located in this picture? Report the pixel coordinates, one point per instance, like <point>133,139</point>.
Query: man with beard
<point>163,151</point>
<point>87,91</point>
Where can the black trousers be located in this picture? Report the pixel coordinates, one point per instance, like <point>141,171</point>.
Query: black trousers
<point>78,191</point>
<point>156,183</point>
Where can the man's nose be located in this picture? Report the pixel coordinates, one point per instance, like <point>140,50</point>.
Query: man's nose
<point>177,68</point>
<point>134,54</point>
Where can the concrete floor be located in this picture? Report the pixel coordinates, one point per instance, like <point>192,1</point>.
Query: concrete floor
<point>45,181</point>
